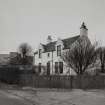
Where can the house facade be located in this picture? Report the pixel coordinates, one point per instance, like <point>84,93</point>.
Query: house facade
<point>48,58</point>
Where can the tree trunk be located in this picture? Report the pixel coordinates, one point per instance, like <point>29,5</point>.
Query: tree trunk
<point>81,71</point>
<point>102,68</point>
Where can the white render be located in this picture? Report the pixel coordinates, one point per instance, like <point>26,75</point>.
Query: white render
<point>45,59</point>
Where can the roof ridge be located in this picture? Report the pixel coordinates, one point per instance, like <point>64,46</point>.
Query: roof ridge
<point>71,37</point>
<point>66,41</point>
<point>61,39</point>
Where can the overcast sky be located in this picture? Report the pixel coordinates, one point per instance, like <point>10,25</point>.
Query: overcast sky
<point>32,21</point>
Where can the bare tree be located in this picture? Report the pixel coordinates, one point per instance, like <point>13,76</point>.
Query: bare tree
<point>25,51</point>
<point>101,57</point>
<point>80,56</point>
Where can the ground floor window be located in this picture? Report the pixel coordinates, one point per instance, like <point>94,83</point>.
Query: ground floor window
<point>39,67</point>
<point>48,68</point>
<point>58,67</point>
<point>61,67</point>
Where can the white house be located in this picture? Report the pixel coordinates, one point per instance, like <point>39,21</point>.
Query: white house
<point>48,56</point>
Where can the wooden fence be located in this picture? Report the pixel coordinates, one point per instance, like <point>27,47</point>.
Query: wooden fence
<point>28,78</point>
<point>66,82</point>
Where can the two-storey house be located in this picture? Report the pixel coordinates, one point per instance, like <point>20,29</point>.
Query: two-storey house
<point>48,56</point>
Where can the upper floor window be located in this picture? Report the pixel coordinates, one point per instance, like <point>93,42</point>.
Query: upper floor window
<point>40,53</point>
<point>59,50</point>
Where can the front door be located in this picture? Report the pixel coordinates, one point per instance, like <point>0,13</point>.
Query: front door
<point>48,68</point>
<point>56,68</point>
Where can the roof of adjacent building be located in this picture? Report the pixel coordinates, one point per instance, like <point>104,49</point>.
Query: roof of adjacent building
<point>66,42</point>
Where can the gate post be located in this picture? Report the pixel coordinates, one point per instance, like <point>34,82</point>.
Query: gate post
<point>71,78</point>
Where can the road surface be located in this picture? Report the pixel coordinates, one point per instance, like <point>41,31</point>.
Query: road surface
<point>52,97</point>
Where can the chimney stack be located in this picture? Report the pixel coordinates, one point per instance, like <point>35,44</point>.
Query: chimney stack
<point>83,30</point>
<point>49,39</point>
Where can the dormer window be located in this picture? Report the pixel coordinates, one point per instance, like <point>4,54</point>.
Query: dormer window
<point>59,50</point>
<point>40,53</point>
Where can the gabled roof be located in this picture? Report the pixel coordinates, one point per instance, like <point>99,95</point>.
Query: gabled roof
<point>66,42</point>
<point>50,46</point>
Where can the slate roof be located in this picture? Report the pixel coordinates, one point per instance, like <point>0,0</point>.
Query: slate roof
<point>50,46</point>
<point>66,42</point>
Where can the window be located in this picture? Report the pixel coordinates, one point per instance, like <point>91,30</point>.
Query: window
<point>39,67</point>
<point>48,55</point>
<point>40,53</point>
<point>59,50</point>
<point>48,68</point>
<point>61,67</point>
<point>56,67</point>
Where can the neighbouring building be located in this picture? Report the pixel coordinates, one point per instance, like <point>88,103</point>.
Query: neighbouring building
<point>15,59</point>
<point>48,56</point>
<point>4,59</point>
